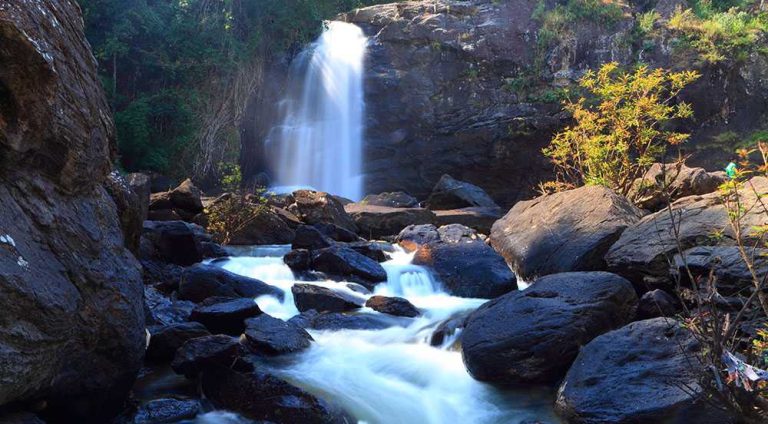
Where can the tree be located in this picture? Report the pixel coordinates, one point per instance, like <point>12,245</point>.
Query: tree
<point>621,129</point>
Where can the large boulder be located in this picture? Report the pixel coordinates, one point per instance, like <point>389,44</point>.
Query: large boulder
<point>72,326</point>
<point>336,321</point>
<point>272,336</point>
<point>266,227</point>
<point>266,398</point>
<point>479,219</point>
<point>171,241</point>
<point>142,186</point>
<point>674,180</point>
<point>725,263</point>
<point>225,316</point>
<point>648,372</point>
<point>184,201</point>
<point>643,252</point>
<point>395,199</point>
<point>202,281</point>
<point>465,265</point>
<point>562,232</point>
<point>397,306</point>
<point>165,341</point>
<point>344,262</point>
<point>314,207</point>
<point>201,353</point>
<point>533,336</point>
<point>450,193</point>
<point>167,410</point>
<point>322,299</point>
<point>382,221</point>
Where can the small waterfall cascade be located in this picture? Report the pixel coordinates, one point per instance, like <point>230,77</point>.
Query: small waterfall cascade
<point>392,374</point>
<point>318,143</point>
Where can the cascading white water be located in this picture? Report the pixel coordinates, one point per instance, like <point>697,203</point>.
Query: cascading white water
<point>319,141</point>
<point>392,375</point>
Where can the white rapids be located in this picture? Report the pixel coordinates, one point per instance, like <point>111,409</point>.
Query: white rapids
<point>392,375</point>
<point>319,142</point>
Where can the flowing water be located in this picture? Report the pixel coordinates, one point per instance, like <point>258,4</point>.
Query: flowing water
<point>318,143</point>
<point>392,375</point>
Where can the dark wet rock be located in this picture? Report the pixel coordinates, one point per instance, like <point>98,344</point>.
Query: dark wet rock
<point>346,263</point>
<point>393,306</point>
<point>644,372</point>
<point>336,321</point>
<point>322,299</point>
<point>166,411</point>
<point>142,186</point>
<point>314,207</point>
<point>129,209</point>
<point>72,322</point>
<point>656,303</point>
<point>467,268</point>
<point>226,316</point>
<point>272,336</point>
<point>414,236</point>
<point>187,197</point>
<point>262,396</point>
<point>480,219</point>
<point>533,336</point>
<point>395,199</point>
<point>562,232</point>
<point>164,276</point>
<point>165,341</point>
<point>381,221</point>
<point>446,329</point>
<point>210,249</point>
<point>163,215</point>
<point>202,281</point>
<point>358,288</point>
<point>725,262</point>
<point>161,310</point>
<point>372,249</point>
<point>450,193</point>
<point>457,233</point>
<point>298,260</point>
<point>202,353</point>
<point>674,180</point>
<point>309,237</point>
<point>336,233</point>
<point>643,251</point>
<point>267,227</point>
<point>171,241</point>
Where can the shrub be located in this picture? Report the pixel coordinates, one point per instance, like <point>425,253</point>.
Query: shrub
<point>231,213</point>
<point>618,136</point>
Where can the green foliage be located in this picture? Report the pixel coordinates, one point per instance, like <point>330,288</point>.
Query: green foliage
<point>232,213</point>
<point>557,22</point>
<point>231,177</point>
<point>619,131</point>
<point>161,61</point>
<point>718,36</point>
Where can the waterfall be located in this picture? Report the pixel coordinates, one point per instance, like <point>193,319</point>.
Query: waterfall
<point>318,143</point>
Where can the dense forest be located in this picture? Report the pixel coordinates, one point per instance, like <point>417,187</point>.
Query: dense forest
<point>178,73</point>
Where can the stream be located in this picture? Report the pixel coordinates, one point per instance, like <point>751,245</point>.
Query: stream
<point>392,375</point>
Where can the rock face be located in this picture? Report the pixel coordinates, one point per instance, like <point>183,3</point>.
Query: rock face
<point>641,253</point>
<point>562,232</point>
<point>644,372</point>
<point>532,336</point>
<point>184,201</point>
<point>726,263</point>
<point>314,207</point>
<point>266,228</point>
<point>462,262</point>
<point>396,199</point>
<point>679,181</point>
<point>450,193</point>
<point>381,221</point>
<point>172,241</point>
<point>72,327</point>
<point>129,209</point>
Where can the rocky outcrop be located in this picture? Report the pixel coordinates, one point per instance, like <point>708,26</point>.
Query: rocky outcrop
<point>450,193</point>
<point>184,201</point>
<point>674,180</point>
<point>314,207</point>
<point>480,219</point>
<point>165,341</point>
<point>532,336</point>
<point>72,326</point>
<point>381,221</point>
<point>396,199</point>
<point>726,265</point>
<point>173,242</point>
<point>643,252</point>
<point>129,209</point>
<point>465,265</point>
<point>201,353</point>
<point>645,372</point>
<point>562,232</point>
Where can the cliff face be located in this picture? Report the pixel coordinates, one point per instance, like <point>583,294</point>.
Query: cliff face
<point>470,88</point>
<point>72,326</point>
